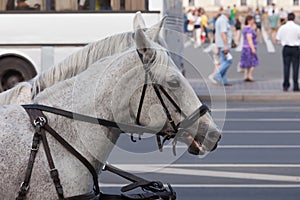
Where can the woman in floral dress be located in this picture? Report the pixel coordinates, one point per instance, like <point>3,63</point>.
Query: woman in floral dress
<point>249,59</point>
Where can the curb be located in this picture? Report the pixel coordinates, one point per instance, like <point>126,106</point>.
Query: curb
<point>280,98</point>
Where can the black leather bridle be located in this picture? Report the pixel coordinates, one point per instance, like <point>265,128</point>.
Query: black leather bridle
<point>40,123</point>
<point>159,90</point>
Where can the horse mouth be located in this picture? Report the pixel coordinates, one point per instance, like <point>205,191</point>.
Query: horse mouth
<point>196,148</point>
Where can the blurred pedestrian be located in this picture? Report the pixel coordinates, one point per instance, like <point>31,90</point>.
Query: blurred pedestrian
<point>22,5</point>
<point>197,27</point>
<point>264,16</point>
<point>216,54</point>
<point>238,28</point>
<point>249,59</point>
<point>289,36</point>
<point>258,22</point>
<point>185,20</point>
<point>214,23</point>
<point>190,18</point>
<point>223,42</point>
<point>204,21</point>
<point>233,13</point>
<point>273,21</point>
<point>237,36</point>
<point>273,10</point>
<point>282,16</point>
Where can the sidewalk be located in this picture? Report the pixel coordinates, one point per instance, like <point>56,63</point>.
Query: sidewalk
<point>260,90</point>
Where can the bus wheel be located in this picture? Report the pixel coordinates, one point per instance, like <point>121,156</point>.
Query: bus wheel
<point>14,70</point>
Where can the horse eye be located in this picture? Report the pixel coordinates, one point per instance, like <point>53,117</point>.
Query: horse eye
<point>173,83</point>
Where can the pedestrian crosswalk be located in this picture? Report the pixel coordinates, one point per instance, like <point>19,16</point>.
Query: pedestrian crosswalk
<point>267,42</point>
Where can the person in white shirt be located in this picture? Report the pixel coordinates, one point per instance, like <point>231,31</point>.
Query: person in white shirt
<point>289,36</point>
<point>198,27</point>
<point>273,10</point>
<point>282,16</point>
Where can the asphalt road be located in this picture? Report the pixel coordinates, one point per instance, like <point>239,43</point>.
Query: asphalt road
<point>258,158</point>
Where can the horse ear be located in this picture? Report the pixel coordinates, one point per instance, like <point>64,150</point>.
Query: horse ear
<point>138,21</point>
<point>154,31</point>
<point>144,47</point>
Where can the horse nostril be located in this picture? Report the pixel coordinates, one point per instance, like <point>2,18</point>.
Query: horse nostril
<point>214,148</point>
<point>216,145</point>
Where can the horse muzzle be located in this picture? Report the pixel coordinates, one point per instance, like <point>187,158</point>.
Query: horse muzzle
<point>203,145</point>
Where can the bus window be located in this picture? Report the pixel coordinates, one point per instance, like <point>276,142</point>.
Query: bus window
<point>74,5</point>
<point>24,5</point>
<point>66,5</point>
<point>116,5</point>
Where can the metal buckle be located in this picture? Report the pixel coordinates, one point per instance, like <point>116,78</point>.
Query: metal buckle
<point>104,166</point>
<point>35,149</point>
<point>40,121</point>
<point>23,187</point>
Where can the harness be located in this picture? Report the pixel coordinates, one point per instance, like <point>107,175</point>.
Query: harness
<point>153,189</point>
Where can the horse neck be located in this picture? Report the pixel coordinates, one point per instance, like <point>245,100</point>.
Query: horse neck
<point>81,60</point>
<point>93,141</point>
<point>78,95</point>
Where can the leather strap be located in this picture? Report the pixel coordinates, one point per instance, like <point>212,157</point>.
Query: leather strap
<point>34,148</point>
<point>39,121</point>
<point>137,181</point>
<point>142,100</point>
<point>71,115</point>
<point>25,185</point>
<point>75,153</point>
<point>53,171</point>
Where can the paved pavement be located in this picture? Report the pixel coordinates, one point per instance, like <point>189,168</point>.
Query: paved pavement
<point>258,158</point>
<point>268,75</point>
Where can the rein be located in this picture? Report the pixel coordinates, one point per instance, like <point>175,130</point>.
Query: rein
<point>40,123</point>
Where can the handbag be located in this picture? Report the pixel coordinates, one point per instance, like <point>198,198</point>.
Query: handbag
<point>190,27</point>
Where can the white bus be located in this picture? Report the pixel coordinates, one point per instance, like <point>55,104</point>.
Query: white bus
<point>32,40</point>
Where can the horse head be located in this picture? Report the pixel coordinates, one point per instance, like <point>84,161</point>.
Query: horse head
<point>167,103</point>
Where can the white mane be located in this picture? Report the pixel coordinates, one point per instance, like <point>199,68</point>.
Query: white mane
<point>21,90</point>
<point>81,60</point>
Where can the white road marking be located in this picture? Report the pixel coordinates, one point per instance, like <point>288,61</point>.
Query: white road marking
<point>219,185</point>
<point>246,147</point>
<point>188,43</point>
<point>260,109</point>
<point>212,173</point>
<point>240,46</point>
<point>259,146</point>
<point>260,120</point>
<point>270,46</point>
<point>227,165</point>
<point>209,48</point>
<point>262,131</point>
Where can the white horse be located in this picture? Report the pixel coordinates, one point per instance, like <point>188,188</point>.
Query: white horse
<point>25,92</point>
<point>109,89</point>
